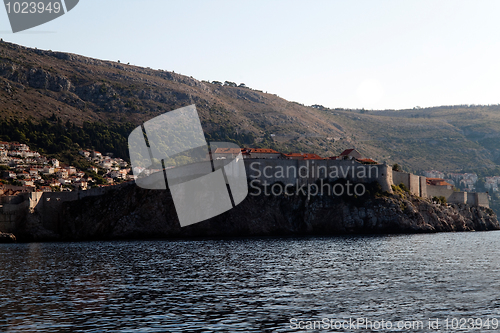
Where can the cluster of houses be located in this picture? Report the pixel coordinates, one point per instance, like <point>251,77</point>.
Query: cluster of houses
<point>467,181</point>
<point>16,150</point>
<point>116,168</point>
<point>491,183</point>
<point>29,171</point>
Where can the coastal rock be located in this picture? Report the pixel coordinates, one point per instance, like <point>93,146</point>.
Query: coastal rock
<point>7,238</point>
<point>131,212</point>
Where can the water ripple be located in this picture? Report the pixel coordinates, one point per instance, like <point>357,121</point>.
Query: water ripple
<point>253,285</point>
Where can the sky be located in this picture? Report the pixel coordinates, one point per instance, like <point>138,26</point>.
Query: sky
<point>340,54</point>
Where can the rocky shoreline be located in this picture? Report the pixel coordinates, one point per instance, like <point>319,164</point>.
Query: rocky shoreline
<point>7,238</point>
<point>134,213</point>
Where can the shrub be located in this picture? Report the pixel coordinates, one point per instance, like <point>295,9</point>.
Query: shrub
<point>403,187</point>
<point>439,200</point>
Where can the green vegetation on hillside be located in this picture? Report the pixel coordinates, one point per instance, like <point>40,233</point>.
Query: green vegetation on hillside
<point>50,136</point>
<point>62,102</point>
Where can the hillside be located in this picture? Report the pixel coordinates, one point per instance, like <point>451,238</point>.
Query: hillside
<point>75,90</point>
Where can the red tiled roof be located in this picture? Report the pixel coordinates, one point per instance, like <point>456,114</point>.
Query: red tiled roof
<point>366,160</point>
<point>312,157</point>
<point>347,152</point>
<point>437,182</point>
<point>263,151</point>
<point>294,155</point>
<point>306,156</point>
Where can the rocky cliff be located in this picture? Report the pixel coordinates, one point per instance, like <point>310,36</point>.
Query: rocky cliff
<point>132,212</point>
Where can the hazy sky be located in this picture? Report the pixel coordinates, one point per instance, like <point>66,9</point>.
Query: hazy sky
<point>353,54</point>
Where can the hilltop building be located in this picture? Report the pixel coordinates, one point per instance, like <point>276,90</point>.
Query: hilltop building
<point>350,154</point>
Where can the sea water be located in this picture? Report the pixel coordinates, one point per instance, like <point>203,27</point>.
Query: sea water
<point>417,283</point>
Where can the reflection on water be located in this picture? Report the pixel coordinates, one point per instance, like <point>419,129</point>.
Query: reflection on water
<point>246,285</point>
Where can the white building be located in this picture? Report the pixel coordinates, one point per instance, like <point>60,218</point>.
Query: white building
<point>434,174</point>
<point>62,173</point>
<point>71,170</point>
<point>64,181</point>
<point>121,174</point>
<point>96,154</point>
<point>84,153</point>
<point>93,169</point>
<point>19,146</point>
<point>81,185</point>
<point>27,182</point>
<point>48,170</point>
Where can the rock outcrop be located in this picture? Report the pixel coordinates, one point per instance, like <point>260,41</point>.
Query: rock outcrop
<point>132,212</point>
<point>7,238</point>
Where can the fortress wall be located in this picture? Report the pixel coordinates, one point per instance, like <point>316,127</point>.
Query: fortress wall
<point>293,172</point>
<point>385,177</point>
<point>304,172</point>
<point>14,208</point>
<point>482,200</point>
<point>11,214</point>
<point>439,191</point>
<point>414,184</point>
<point>418,186</point>
<point>33,198</point>
<point>50,206</point>
<point>471,198</point>
<point>457,197</point>
<point>91,192</point>
<point>423,187</point>
<point>59,196</point>
<point>8,223</point>
<point>12,199</point>
<point>267,171</point>
<point>190,171</point>
<point>401,178</point>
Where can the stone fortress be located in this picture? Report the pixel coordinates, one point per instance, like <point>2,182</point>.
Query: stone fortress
<point>350,165</point>
<point>46,206</point>
<point>263,166</point>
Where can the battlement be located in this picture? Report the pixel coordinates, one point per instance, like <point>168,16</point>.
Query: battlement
<point>417,185</point>
<point>47,206</point>
<point>304,172</point>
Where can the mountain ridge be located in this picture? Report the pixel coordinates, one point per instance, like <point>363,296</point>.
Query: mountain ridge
<point>38,83</point>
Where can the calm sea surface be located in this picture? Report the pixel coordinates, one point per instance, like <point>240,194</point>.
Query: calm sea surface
<point>260,285</point>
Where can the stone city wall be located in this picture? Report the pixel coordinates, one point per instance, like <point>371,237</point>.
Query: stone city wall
<point>417,185</point>
<point>304,172</point>
<point>47,205</point>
